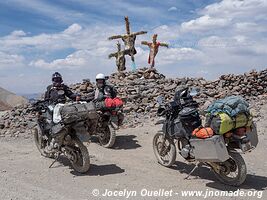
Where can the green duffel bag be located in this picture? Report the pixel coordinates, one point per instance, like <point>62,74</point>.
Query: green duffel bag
<point>242,120</point>
<point>222,123</point>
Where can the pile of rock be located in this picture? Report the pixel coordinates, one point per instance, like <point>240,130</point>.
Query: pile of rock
<point>17,121</point>
<point>139,89</point>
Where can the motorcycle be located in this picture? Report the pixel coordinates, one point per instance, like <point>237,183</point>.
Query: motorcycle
<point>55,140</point>
<point>108,123</point>
<point>107,126</point>
<point>222,153</point>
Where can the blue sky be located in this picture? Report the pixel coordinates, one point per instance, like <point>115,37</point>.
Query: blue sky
<point>207,38</point>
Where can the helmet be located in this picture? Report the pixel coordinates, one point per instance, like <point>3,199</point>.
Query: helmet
<point>100,77</point>
<point>181,93</point>
<point>57,78</point>
<point>100,80</point>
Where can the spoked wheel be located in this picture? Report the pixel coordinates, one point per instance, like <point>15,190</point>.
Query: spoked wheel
<point>40,142</point>
<point>164,150</point>
<point>233,171</point>
<point>107,136</point>
<point>79,156</point>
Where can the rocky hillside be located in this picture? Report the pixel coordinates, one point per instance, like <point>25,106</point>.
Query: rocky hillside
<point>140,89</point>
<point>9,100</point>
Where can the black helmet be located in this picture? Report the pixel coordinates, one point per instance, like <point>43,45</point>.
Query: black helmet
<point>181,93</point>
<point>57,78</point>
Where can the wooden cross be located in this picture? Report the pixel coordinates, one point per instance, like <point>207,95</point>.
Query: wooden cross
<point>120,57</point>
<point>128,38</point>
<point>154,48</point>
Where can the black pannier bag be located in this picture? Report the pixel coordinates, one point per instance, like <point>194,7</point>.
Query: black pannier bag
<point>188,120</point>
<point>75,112</point>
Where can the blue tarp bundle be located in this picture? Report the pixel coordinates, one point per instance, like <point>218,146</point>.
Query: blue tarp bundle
<point>232,105</point>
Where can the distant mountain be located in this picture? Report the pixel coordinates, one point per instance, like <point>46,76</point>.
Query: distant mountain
<point>9,100</point>
<point>32,96</point>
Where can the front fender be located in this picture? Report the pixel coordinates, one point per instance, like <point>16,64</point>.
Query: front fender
<point>114,125</point>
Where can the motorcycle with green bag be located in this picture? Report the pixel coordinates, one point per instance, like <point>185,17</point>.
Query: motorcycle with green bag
<point>220,152</point>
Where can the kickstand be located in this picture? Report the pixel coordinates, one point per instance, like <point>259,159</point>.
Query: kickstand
<point>56,159</point>
<point>196,166</point>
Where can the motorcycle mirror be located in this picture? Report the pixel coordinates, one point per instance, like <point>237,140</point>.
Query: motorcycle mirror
<point>160,100</point>
<point>194,92</point>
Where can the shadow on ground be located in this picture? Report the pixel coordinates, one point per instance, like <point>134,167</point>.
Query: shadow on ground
<point>252,181</point>
<point>95,170</point>
<point>126,142</point>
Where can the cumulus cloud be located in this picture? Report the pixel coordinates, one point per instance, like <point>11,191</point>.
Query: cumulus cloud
<point>11,60</point>
<point>173,8</point>
<point>72,61</point>
<point>167,32</point>
<point>204,23</point>
<point>230,35</point>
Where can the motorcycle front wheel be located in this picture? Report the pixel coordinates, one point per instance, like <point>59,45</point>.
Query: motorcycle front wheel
<point>40,142</point>
<point>164,150</point>
<point>107,137</point>
<point>233,171</point>
<point>80,157</point>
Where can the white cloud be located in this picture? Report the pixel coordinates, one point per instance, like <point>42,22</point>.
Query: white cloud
<point>93,38</point>
<point>76,60</point>
<point>17,33</point>
<point>11,60</point>
<point>231,35</point>
<point>205,22</point>
<point>74,28</point>
<point>236,8</point>
<point>167,33</point>
<point>45,8</point>
<point>173,8</point>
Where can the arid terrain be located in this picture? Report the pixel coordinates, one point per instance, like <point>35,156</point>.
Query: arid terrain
<point>131,165</point>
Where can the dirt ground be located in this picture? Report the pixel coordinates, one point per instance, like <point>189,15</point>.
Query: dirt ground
<point>130,166</point>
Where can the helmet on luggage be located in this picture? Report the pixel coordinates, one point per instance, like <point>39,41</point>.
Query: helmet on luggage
<point>183,97</point>
<point>182,92</point>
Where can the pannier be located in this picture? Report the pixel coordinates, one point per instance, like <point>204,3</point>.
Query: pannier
<point>211,149</point>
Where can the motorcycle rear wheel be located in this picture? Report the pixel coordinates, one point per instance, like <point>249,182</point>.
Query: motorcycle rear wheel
<point>235,164</point>
<point>164,150</point>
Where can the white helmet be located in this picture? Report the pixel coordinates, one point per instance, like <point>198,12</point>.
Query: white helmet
<point>100,77</point>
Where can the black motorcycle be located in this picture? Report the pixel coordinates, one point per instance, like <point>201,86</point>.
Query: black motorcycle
<point>220,153</point>
<point>108,124</point>
<point>60,139</point>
